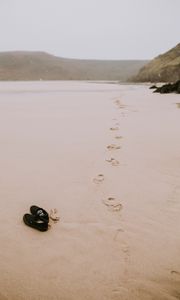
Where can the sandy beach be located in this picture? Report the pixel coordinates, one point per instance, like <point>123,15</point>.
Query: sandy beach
<point>107,157</point>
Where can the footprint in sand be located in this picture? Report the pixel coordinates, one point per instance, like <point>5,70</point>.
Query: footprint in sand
<point>117,101</point>
<point>114,128</point>
<point>117,232</point>
<point>98,179</point>
<point>114,162</point>
<point>175,272</point>
<point>53,215</point>
<point>113,147</point>
<point>118,137</point>
<point>119,104</point>
<point>113,204</point>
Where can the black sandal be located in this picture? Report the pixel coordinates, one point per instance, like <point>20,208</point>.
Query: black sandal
<point>31,221</point>
<point>39,213</point>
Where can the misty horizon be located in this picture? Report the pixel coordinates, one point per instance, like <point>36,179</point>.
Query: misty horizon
<point>69,58</point>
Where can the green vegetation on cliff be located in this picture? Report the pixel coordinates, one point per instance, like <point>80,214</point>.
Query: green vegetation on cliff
<point>164,68</point>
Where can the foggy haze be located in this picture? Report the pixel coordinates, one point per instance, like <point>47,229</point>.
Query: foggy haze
<point>97,29</point>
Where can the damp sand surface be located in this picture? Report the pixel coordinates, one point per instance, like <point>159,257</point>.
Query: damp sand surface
<point>118,237</point>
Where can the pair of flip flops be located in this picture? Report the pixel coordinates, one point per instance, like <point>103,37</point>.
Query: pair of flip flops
<point>38,219</point>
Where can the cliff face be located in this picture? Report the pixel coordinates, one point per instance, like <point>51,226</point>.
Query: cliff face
<point>43,66</point>
<point>164,68</point>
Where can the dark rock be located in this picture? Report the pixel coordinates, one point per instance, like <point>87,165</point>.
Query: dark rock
<point>177,87</point>
<point>153,87</point>
<point>169,88</point>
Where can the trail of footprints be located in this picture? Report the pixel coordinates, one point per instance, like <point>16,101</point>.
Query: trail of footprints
<point>112,203</point>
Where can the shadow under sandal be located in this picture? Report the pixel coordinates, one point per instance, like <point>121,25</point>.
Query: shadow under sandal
<point>39,213</point>
<point>31,221</point>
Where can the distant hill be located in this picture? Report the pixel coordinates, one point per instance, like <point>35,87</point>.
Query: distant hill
<point>23,65</point>
<point>164,68</point>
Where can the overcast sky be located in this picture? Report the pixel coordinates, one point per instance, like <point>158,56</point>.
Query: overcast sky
<point>102,29</point>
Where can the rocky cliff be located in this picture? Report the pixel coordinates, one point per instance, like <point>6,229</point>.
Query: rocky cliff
<point>164,68</point>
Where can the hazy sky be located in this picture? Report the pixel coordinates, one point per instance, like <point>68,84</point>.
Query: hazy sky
<point>103,29</point>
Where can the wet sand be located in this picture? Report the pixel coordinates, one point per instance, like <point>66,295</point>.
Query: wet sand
<point>107,157</point>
